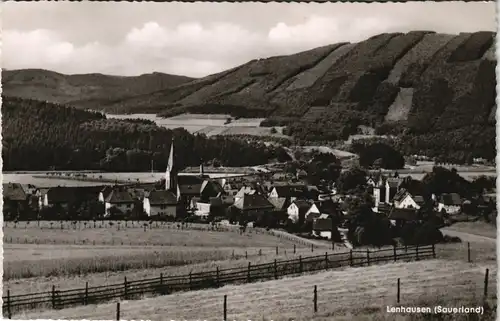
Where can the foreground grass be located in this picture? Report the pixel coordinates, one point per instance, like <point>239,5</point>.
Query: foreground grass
<point>139,266</point>
<point>345,293</point>
<point>478,228</point>
<point>163,235</point>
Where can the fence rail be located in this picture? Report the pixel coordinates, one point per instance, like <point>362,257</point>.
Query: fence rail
<point>58,299</point>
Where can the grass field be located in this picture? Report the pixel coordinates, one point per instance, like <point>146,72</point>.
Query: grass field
<point>166,234</point>
<point>73,272</point>
<point>348,293</point>
<point>476,228</point>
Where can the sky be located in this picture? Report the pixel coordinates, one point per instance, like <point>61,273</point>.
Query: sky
<point>198,39</point>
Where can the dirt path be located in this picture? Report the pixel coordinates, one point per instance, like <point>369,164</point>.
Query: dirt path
<point>468,236</point>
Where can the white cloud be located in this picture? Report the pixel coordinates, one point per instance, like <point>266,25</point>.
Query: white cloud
<point>187,48</point>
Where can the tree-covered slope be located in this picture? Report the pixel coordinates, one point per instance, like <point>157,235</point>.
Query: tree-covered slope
<point>39,135</point>
<point>83,91</point>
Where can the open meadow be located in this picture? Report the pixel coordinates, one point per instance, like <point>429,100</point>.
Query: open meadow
<point>351,292</point>
<point>37,257</point>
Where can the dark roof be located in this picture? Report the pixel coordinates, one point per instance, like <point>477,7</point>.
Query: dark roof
<point>14,192</point>
<point>302,204</point>
<point>138,193</point>
<point>400,195</point>
<point>450,199</point>
<point>327,207</point>
<point>322,224</point>
<point>162,198</point>
<point>291,190</point>
<point>67,194</point>
<point>118,196</point>
<point>246,190</point>
<point>253,202</point>
<point>419,200</point>
<point>312,216</point>
<point>106,191</point>
<point>279,203</point>
<point>404,214</point>
<point>384,208</point>
<point>394,182</point>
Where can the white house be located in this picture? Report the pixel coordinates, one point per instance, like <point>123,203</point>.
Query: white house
<point>451,203</point>
<point>297,210</point>
<point>319,208</point>
<point>244,190</point>
<point>403,199</point>
<point>160,203</point>
<point>291,192</point>
<point>119,199</point>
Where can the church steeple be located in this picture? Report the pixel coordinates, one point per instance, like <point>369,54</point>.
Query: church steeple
<point>171,172</point>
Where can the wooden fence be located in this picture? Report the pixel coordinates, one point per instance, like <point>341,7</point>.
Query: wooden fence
<point>58,299</point>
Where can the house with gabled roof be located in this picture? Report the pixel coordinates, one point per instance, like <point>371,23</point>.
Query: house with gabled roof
<point>401,216</point>
<point>160,203</point>
<point>451,203</point>
<point>119,199</point>
<point>322,226</point>
<point>15,198</point>
<point>253,204</point>
<point>291,191</point>
<point>407,200</point>
<point>319,208</point>
<point>297,210</point>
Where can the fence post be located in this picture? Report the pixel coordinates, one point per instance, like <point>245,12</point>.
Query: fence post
<point>300,264</point>
<point>275,269</point>
<point>368,257</point>
<point>53,296</point>
<point>468,252</point>
<point>326,260</point>
<point>161,279</point>
<point>190,280</point>
<point>406,247</point>
<point>125,287</point>
<point>350,257</point>
<point>312,247</point>
<point>9,313</point>
<point>225,307</point>
<point>217,276</point>
<point>433,250</point>
<point>294,249</point>
<point>395,254</point>
<point>248,272</point>
<point>86,293</point>
<point>416,252</point>
<point>276,250</point>
<point>246,255</point>
<point>399,290</point>
<point>232,255</point>
<point>260,252</point>
<point>117,311</point>
<point>315,299</point>
<point>486,284</point>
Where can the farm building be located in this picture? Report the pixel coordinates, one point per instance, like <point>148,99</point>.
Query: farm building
<point>322,226</point>
<point>404,199</point>
<point>160,203</point>
<point>401,216</point>
<point>290,191</point>
<point>450,203</point>
<point>253,204</point>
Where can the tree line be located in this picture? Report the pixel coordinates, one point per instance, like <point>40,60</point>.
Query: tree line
<point>41,136</point>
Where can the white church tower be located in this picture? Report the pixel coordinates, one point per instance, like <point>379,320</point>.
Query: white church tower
<point>171,173</point>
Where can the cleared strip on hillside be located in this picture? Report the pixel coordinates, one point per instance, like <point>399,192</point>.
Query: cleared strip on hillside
<point>338,292</point>
<point>309,77</point>
<point>418,55</point>
<point>268,73</point>
<point>400,108</point>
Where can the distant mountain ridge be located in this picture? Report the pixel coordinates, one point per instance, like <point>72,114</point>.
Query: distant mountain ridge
<point>83,90</point>
<point>434,91</point>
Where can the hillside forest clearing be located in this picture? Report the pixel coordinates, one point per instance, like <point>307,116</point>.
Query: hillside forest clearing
<point>209,125</point>
<point>348,292</point>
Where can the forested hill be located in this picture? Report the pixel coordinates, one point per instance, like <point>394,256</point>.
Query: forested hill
<point>83,91</point>
<point>435,92</point>
<point>39,135</point>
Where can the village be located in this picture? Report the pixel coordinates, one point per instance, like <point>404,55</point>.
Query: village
<point>336,211</point>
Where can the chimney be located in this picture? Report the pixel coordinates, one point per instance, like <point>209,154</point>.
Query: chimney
<point>202,170</point>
